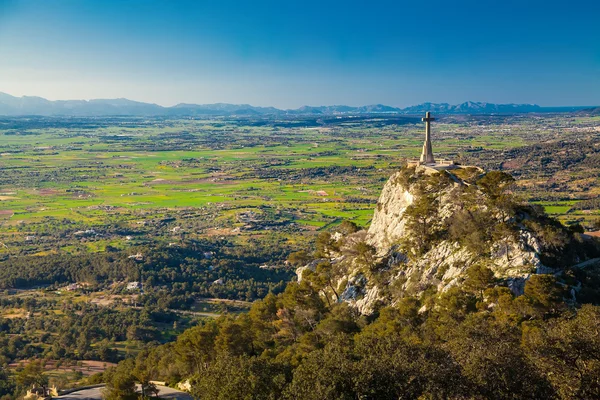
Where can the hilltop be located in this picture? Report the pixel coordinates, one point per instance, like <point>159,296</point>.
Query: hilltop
<point>430,228</point>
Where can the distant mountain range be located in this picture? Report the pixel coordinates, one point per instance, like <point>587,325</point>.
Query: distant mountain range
<point>591,111</point>
<point>30,105</point>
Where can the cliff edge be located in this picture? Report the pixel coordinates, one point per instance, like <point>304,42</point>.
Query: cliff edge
<point>430,227</point>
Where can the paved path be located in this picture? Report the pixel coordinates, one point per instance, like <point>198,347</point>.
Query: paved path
<point>96,394</point>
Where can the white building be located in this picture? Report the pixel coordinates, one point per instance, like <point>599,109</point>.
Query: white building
<point>133,285</point>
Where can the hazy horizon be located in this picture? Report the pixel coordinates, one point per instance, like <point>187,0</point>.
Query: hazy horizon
<point>268,53</point>
<point>284,108</point>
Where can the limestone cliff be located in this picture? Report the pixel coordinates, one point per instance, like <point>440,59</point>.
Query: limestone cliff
<point>387,224</point>
<point>429,228</point>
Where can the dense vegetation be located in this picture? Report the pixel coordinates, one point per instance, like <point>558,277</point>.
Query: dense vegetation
<point>188,271</point>
<point>85,332</point>
<point>476,341</point>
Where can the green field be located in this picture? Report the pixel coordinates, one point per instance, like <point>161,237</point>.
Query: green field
<point>94,173</point>
<point>205,213</point>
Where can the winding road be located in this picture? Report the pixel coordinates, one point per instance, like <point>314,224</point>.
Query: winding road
<point>96,394</point>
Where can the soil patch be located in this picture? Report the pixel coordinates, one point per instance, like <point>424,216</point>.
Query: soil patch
<point>47,192</point>
<point>220,231</point>
<point>512,164</point>
<point>214,181</point>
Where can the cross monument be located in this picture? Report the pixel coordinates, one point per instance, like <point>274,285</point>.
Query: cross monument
<point>427,155</point>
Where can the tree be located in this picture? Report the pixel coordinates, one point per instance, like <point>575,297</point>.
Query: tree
<point>341,319</point>
<point>322,278</point>
<point>471,228</point>
<point>418,222</point>
<point>576,228</point>
<point>120,382</point>
<point>325,245</point>
<point>83,343</point>
<point>240,378</point>
<point>436,185</point>
<point>544,293</point>
<point>196,346</point>
<point>148,389</point>
<point>393,366</point>
<point>567,351</point>
<point>298,258</point>
<point>262,314</point>
<point>235,336</point>
<point>134,332</point>
<point>479,278</point>
<point>144,371</point>
<point>492,361</point>
<point>106,352</point>
<point>324,374</point>
<point>504,233</point>
<point>347,228</point>
<point>32,375</point>
<point>6,384</point>
<point>365,254</point>
<point>496,185</point>
<point>302,295</point>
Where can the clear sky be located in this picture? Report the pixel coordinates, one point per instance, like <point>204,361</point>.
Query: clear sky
<point>288,53</point>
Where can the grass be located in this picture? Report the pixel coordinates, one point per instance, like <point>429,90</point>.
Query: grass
<point>557,210</point>
<point>114,172</point>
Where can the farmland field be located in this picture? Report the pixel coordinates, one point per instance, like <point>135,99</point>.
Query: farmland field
<point>95,171</point>
<point>95,185</point>
<point>148,226</point>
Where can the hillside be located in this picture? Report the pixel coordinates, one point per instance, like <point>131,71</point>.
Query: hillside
<point>590,111</point>
<point>456,291</point>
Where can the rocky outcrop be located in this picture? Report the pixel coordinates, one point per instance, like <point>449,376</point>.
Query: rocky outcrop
<point>388,223</point>
<point>513,254</point>
<point>445,265</point>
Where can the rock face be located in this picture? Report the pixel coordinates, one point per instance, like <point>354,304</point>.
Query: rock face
<point>388,222</point>
<point>445,264</point>
<point>397,269</point>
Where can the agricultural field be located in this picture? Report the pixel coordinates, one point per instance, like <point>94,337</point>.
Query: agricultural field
<point>124,187</point>
<point>115,183</point>
<point>201,215</point>
<point>238,176</point>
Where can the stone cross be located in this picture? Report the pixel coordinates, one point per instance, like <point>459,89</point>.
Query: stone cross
<point>427,154</point>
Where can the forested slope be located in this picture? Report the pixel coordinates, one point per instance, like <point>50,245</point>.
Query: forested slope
<point>476,338</point>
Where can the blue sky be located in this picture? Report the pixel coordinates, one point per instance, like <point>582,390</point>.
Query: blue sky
<point>292,53</point>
